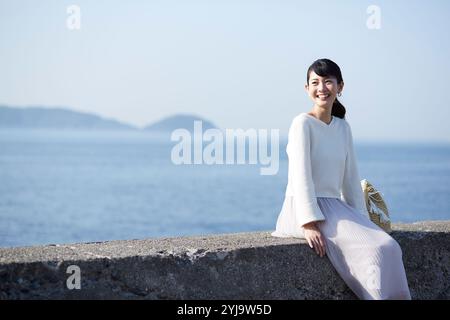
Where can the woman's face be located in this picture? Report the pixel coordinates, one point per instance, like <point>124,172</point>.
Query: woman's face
<point>323,90</point>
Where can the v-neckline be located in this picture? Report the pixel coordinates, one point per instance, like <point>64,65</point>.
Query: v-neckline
<point>322,122</point>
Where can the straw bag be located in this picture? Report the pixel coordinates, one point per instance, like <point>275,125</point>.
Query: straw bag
<point>376,207</point>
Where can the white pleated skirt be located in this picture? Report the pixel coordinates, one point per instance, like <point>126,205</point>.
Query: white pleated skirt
<point>368,259</point>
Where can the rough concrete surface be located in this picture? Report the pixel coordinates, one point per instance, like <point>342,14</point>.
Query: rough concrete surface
<point>251,265</point>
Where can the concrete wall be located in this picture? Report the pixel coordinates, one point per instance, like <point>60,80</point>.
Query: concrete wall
<point>232,266</point>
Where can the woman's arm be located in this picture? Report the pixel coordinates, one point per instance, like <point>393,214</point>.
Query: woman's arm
<point>351,186</point>
<point>307,211</point>
<point>300,174</point>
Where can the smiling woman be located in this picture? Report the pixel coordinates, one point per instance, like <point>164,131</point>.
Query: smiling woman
<point>324,202</point>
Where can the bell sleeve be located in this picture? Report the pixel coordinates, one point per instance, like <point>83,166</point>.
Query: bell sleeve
<point>352,192</point>
<point>298,150</point>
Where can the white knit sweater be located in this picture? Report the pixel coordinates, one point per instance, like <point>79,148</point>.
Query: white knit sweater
<point>322,163</point>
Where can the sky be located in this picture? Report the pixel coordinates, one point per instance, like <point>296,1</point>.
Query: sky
<point>240,64</point>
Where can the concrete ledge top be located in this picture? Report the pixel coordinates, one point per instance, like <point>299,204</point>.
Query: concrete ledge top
<point>192,247</point>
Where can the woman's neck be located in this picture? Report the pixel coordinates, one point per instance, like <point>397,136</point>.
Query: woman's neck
<point>321,113</point>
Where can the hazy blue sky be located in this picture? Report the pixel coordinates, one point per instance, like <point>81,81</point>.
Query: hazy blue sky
<point>239,63</point>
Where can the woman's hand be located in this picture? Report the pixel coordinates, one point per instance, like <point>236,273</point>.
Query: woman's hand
<point>315,238</point>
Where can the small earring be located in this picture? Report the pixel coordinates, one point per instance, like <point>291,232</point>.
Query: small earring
<point>339,94</point>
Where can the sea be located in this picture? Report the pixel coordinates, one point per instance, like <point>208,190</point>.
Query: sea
<point>71,186</point>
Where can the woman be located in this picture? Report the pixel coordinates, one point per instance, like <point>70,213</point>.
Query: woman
<point>324,201</point>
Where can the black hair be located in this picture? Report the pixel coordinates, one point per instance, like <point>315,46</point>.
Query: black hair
<point>325,68</point>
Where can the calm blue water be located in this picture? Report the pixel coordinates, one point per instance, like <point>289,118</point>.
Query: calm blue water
<point>66,186</point>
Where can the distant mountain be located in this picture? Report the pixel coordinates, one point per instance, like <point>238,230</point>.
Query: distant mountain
<point>58,118</point>
<point>185,121</point>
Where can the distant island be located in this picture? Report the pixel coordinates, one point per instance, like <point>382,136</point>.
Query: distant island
<point>56,118</point>
<point>185,121</point>
<point>62,118</point>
